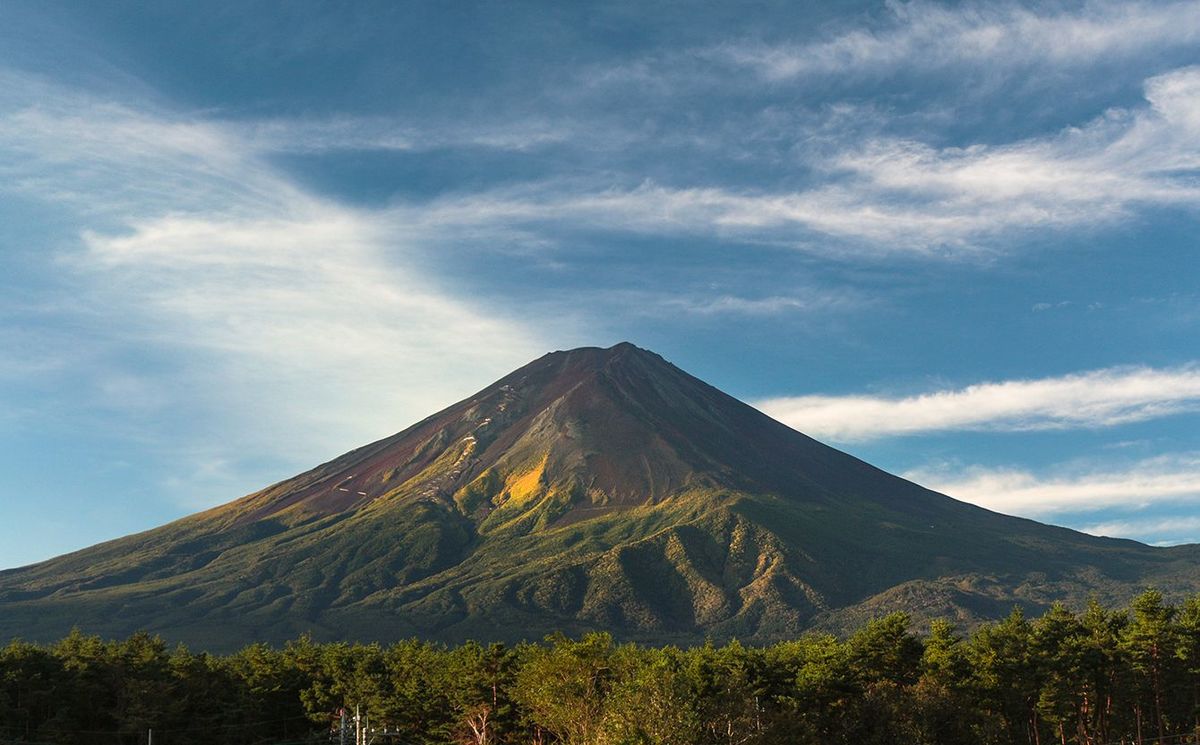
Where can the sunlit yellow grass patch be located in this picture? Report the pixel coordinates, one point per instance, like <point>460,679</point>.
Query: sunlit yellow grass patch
<point>523,487</point>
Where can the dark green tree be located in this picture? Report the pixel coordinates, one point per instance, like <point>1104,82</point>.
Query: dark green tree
<point>1150,643</point>
<point>1007,679</point>
<point>944,709</point>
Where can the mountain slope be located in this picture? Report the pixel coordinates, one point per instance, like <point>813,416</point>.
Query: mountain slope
<point>595,488</point>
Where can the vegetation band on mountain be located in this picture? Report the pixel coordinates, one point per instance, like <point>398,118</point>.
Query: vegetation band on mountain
<point>1101,676</point>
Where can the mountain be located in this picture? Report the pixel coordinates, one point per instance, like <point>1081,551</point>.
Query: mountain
<point>590,489</point>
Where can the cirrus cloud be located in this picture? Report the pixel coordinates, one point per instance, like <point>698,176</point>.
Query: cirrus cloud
<point>1100,398</point>
<point>886,195</point>
<point>921,35</point>
<point>280,323</point>
<point>1168,479</point>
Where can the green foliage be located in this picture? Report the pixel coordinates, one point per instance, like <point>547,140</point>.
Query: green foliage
<point>651,701</point>
<point>1150,642</point>
<point>563,686</point>
<point>1096,677</point>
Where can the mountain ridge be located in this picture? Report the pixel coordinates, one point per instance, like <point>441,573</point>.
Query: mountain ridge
<point>590,488</point>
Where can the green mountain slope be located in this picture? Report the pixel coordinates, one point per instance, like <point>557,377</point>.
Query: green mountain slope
<point>595,488</point>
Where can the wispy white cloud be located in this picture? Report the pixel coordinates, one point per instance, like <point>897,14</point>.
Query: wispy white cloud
<point>1100,398</point>
<point>925,36</point>
<point>1090,174</point>
<point>1173,479</point>
<point>385,133</point>
<point>810,301</point>
<point>891,195</point>
<point>882,195</point>
<point>1163,531</point>
<point>1043,306</point>
<point>305,309</point>
<point>108,160</point>
<point>291,325</point>
<point>798,219</point>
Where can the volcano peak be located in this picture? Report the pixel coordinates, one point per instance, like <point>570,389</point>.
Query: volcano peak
<point>583,360</point>
<point>591,488</point>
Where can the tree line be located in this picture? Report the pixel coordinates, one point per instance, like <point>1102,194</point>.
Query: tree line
<point>1091,678</point>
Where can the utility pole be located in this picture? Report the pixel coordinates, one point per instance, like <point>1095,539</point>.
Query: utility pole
<point>150,737</point>
<point>343,728</point>
<point>358,730</point>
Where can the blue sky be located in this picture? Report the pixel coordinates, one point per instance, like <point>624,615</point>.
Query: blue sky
<point>956,240</point>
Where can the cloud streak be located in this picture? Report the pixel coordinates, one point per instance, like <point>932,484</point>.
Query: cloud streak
<point>1100,398</point>
<point>1164,531</point>
<point>1171,479</point>
<point>345,133</point>
<point>291,325</point>
<point>812,301</point>
<point>926,36</point>
<point>892,195</point>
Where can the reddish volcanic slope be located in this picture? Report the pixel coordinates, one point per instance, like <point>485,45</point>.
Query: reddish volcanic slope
<point>622,422</point>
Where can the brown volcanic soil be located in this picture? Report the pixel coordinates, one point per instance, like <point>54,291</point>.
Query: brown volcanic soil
<point>622,421</point>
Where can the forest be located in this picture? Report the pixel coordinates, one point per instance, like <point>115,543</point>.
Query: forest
<point>1095,677</point>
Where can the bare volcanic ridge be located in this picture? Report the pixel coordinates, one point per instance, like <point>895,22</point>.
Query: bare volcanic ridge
<point>590,489</point>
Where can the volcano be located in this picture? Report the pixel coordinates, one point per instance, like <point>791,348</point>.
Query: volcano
<point>591,489</point>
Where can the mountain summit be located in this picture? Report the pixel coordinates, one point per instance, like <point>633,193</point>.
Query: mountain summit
<point>590,489</point>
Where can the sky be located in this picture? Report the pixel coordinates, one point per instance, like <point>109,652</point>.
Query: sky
<point>240,238</point>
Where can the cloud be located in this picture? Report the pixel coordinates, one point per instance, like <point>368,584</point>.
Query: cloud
<point>1173,479</point>
<point>256,315</point>
<point>1043,307</point>
<point>720,305</point>
<point>887,195</point>
<point>305,309</point>
<point>870,193</point>
<point>1163,531</point>
<point>926,36</point>
<point>1100,398</point>
<point>107,160</point>
<point>1099,171</point>
<point>339,133</point>
<point>798,219</point>
<point>837,189</point>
